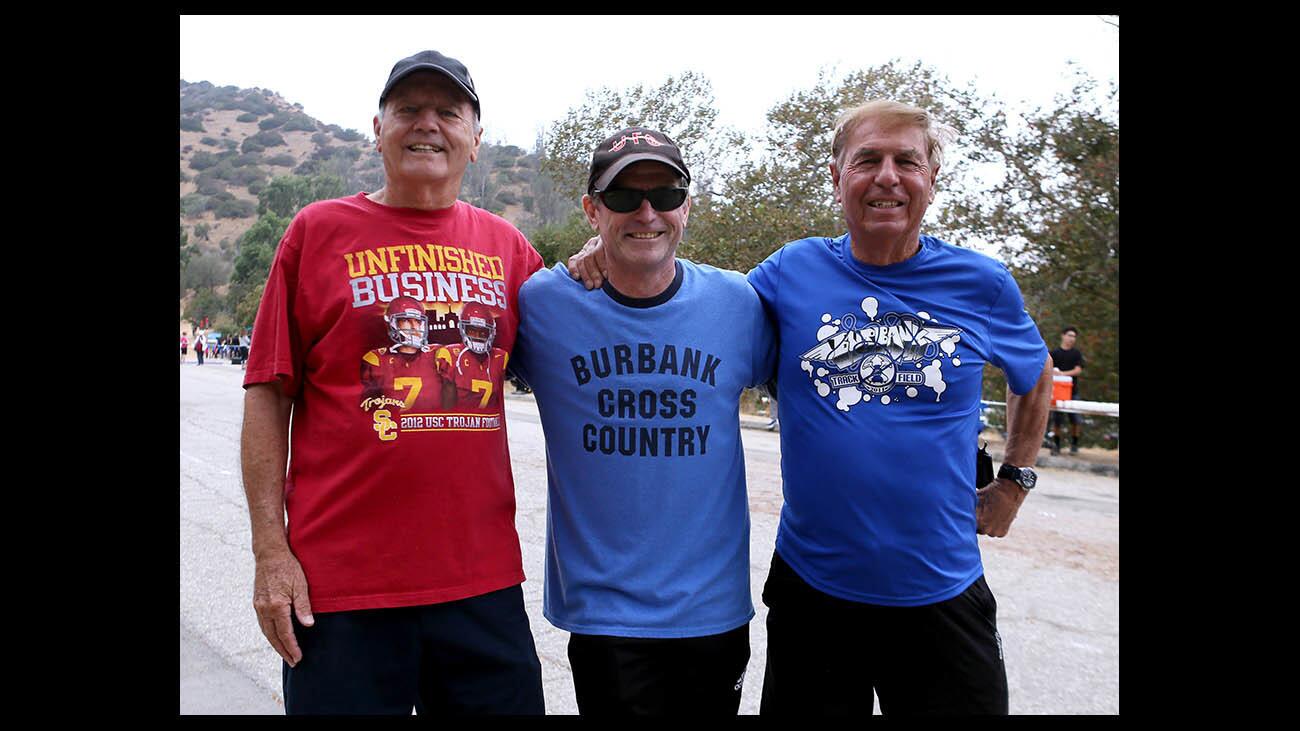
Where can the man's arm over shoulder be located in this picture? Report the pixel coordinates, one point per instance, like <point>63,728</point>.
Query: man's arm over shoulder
<point>762,336</point>
<point>766,278</point>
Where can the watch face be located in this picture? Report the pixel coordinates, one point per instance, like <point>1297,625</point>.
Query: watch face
<point>1028,478</point>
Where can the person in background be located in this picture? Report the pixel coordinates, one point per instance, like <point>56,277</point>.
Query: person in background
<point>1067,363</point>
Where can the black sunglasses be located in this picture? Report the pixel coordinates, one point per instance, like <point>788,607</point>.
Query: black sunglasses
<point>626,200</point>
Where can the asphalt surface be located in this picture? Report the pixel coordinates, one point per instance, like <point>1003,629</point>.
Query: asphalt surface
<point>1056,576</point>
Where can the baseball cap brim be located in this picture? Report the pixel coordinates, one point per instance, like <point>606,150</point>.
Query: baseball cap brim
<point>621,164</point>
<point>430,67</point>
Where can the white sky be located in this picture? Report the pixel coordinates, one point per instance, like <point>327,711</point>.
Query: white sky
<point>529,70</point>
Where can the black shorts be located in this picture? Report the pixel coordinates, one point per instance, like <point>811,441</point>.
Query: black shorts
<point>825,654</point>
<point>472,656</point>
<point>1058,417</point>
<point>696,676</point>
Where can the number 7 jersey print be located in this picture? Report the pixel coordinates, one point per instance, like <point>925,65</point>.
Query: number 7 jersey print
<point>476,377</point>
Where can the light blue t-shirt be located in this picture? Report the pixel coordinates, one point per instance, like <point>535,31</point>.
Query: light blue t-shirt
<point>879,378</point>
<point>647,531</point>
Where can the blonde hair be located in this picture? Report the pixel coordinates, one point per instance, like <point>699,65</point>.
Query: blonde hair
<point>937,134</point>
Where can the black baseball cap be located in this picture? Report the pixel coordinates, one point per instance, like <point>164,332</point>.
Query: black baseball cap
<point>432,61</point>
<point>630,145</point>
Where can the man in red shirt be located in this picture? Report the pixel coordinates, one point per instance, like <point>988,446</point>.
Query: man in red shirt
<point>396,582</point>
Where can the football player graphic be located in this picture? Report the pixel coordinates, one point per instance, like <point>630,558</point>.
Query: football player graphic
<point>472,370</point>
<point>404,375</point>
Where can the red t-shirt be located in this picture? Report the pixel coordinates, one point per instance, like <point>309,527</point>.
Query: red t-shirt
<point>393,500</point>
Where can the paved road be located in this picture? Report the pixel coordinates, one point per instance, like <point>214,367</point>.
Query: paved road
<point>1056,577</point>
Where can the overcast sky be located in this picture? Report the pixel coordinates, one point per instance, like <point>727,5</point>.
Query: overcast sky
<point>529,70</point>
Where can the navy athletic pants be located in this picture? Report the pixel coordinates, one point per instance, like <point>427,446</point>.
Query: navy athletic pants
<point>472,656</point>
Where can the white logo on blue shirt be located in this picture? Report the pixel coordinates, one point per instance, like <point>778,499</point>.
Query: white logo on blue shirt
<point>891,354</point>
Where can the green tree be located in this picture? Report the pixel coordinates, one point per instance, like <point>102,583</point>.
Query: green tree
<point>253,262</point>
<point>278,203</point>
<point>556,242</point>
<point>550,205</point>
<point>188,251</point>
<point>787,194</point>
<point>205,303</point>
<point>1055,213</point>
<point>285,195</point>
<point>682,108</point>
<point>479,186</point>
<point>204,271</point>
<point>246,310</point>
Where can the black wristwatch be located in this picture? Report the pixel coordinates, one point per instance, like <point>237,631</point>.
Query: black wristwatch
<point>1022,476</point>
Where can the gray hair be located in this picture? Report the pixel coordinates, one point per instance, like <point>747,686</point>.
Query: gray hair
<point>937,134</point>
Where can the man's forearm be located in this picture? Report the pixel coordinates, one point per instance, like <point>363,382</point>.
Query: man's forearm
<point>264,454</point>
<point>1027,420</point>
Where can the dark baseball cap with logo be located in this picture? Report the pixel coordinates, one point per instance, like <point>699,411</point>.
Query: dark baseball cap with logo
<point>630,145</point>
<point>433,61</point>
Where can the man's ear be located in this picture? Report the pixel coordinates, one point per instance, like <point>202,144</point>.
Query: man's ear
<point>478,138</point>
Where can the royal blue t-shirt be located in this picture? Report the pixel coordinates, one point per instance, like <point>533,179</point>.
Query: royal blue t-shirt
<point>647,526</point>
<point>879,377</point>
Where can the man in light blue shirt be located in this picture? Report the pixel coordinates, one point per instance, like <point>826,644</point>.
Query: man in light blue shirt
<point>637,383</point>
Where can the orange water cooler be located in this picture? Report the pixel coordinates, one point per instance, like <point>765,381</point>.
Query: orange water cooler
<point>1062,389</point>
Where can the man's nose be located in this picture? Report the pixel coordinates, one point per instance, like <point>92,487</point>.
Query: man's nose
<point>427,118</point>
<point>888,174</point>
<point>646,213</point>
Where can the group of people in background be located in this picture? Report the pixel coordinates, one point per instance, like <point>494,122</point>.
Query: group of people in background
<point>229,347</point>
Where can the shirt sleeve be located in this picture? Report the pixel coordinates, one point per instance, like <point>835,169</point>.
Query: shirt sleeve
<point>763,278</point>
<point>1015,344</point>
<point>525,335</point>
<point>764,347</point>
<point>279,351</point>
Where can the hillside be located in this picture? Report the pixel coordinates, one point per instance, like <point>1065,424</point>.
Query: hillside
<point>234,141</point>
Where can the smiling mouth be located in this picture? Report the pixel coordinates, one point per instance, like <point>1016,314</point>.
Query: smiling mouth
<point>886,204</point>
<point>645,236</point>
<point>423,148</point>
